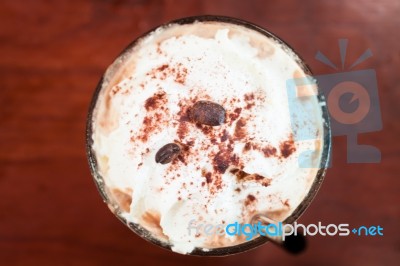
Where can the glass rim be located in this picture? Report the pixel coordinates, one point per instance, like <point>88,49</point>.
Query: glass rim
<point>221,251</point>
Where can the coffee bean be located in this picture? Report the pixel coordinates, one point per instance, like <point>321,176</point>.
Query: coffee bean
<point>207,113</point>
<point>167,153</point>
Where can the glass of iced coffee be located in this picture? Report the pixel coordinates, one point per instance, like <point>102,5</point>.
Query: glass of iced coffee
<point>192,126</point>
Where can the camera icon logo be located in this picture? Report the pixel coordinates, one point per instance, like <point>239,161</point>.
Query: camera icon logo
<point>352,101</point>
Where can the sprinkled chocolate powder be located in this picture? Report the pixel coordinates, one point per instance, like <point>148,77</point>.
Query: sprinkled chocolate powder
<point>240,131</point>
<point>287,147</point>
<point>250,199</point>
<point>155,101</point>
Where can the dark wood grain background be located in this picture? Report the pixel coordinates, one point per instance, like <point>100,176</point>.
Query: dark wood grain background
<point>52,54</point>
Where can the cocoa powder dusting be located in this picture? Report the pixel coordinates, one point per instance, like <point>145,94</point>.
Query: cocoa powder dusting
<point>248,146</point>
<point>177,72</point>
<point>180,74</point>
<point>242,176</point>
<point>204,128</point>
<point>224,157</point>
<point>208,177</point>
<point>221,161</point>
<point>162,68</point>
<point>250,199</point>
<point>155,101</point>
<point>233,116</point>
<point>249,97</point>
<point>235,160</point>
<point>224,136</point>
<point>240,131</point>
<point>115,90</point>
<point>269,151</point>
<point>182,130</point>
<point>287,147</point>
<point>156,115</point>
<point>258,177</point>
<point>183,120</point>
<point>182,159</point>
<point>147,128</point>
<point>266,183</point>
<point>249,100</point>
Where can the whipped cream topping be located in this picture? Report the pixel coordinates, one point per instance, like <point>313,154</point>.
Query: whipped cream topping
<point>224,174</point>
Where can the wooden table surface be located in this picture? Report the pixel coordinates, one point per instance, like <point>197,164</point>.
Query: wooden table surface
<point>52,54</point>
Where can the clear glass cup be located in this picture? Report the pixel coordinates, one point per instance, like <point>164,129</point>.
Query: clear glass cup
<point>223,250</point>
